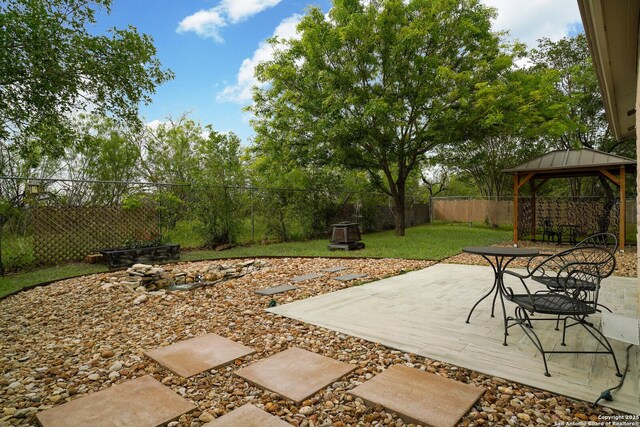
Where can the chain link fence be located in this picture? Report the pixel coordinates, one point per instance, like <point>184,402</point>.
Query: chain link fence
<point>50,221</point>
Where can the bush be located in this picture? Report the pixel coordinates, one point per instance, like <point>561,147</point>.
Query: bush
<point>17,252</point>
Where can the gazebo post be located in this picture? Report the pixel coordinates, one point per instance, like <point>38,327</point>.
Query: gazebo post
<point>515,207</point>
<point>623,207</point>
<point>620,181</point>
<point>533,209</point>
<point>516,188</point>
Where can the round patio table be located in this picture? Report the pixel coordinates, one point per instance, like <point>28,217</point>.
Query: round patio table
<point>499,258</point>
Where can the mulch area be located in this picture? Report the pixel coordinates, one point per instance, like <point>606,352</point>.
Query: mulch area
<point>79,336</point>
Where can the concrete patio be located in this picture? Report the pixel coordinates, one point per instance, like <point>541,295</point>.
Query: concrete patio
<point>423,312</point>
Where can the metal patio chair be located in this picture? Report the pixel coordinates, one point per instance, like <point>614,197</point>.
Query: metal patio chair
<point>548,277</point>
<point>549,231</point>
<point>578,272</point>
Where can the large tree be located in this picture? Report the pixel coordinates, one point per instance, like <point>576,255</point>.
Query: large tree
<point>376,86</point>
<point>514,114</point>
<point>582,114</point>
<point>52,66</point>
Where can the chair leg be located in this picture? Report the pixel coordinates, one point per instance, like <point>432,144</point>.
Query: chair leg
<point>564,332</point>
<point>602,340</point>
<point>521,319</point>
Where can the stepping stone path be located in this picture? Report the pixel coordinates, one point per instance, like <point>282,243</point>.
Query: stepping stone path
<point>276,290</point>
<point>419,397</point>
<point>295,373</point>
<point>334,269</point>
<point>142,402</point>
<point>306,277</point>
<point>190,357</point>
<point>247,416</point>
<point>348,277</point>
<point>416,396</point>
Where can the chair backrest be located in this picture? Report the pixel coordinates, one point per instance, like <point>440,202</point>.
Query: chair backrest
<point>605,240</point>
<point>582,276</point>
<point>546,224</point>
<point>578,271</point>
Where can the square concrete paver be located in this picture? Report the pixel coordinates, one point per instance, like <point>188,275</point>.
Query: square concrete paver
<point>295,373</point>
<point>199,354</point>
<point>276,290</point>
<point>141,402</point>
<point>306,277</point>
<point>348,277</point>
<point>247,416</point>
<point>334,269</point>
<point>419,397</point>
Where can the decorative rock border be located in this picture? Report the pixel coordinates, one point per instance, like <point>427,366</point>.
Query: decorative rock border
<point>150,278</point>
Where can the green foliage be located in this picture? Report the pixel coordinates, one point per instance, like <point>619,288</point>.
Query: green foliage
<point>186,234</point>
<point>170,208</point>
<point>144,241</point>
<point>131,202</point>
<point>514,114</point>
<point>171,151</point>
<point>374,87</point>
<point>52,65</point>
<point>17,252</point>
<point>219,200</point>
<point>580,117</point>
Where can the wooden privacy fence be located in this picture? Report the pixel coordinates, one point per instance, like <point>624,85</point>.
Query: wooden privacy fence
<point>466,209</point>
<point>500,211</point>
<point>69,233</point>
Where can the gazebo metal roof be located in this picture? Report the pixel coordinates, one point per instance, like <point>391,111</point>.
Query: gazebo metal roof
<point>568,162</point>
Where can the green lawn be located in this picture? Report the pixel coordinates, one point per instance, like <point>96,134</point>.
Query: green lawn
<point>431,241</point>
<point>15,281</point>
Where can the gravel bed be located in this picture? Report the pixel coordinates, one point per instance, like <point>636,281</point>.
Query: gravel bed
<point>78,336</point>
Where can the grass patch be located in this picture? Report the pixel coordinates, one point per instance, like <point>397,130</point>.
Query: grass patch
<point>431,241</point>
<point>12,282</point>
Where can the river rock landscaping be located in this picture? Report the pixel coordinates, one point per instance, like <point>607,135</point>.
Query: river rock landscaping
<point>78,336</point>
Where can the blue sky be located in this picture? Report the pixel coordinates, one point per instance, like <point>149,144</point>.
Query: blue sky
<point>213,45</point>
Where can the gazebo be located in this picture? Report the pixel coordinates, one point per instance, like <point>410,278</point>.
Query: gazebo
<point>567,164</point>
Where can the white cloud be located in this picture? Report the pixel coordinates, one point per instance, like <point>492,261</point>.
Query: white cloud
<point>240,92</point>
<point>207,23</point>
<point>237,10</point>
<point>155,124</point>
<point>528,21</point>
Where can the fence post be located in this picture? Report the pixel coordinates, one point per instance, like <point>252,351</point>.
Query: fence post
<point>253,224</point>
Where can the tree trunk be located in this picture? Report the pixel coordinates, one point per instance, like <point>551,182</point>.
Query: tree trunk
<point>399,211</point>
<point>397,190</point>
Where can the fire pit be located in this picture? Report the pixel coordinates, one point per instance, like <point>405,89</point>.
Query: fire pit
<point>345,236</point>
